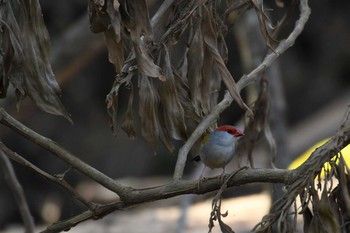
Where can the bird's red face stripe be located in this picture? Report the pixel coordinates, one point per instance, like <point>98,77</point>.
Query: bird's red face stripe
<point>231,130</point>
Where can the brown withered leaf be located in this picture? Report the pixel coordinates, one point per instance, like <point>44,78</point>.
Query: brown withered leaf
<point>112,98</point>
<point>31,74</point>
<point>115,49</point>
<point>98,17</point>
<point>140,28</point>
<point>112,110</point>
<point>138,22</point>
<point>184,11</point>
<point>210,41</point>
<point>210,82</point>
<point>151,129</point>
<point>195,57</point>
<point>216,215</point>
<point>12,58</point>
<point>172,113</point>
<point>265,23</point>
<point>192,118</point>
<point>145,61</point>
<point>115,18</point>
<point>259,125</point>
<point>222,48</point>
<point>105,17</point>
<point>128,121</point>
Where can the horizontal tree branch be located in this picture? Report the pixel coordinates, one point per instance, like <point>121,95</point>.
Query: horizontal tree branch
<point>176,188</point>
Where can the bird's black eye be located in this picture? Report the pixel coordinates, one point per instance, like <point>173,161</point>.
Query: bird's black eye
<point>230,131</point>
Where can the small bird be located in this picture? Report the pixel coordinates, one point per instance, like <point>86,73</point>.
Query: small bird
<point>219,147</point>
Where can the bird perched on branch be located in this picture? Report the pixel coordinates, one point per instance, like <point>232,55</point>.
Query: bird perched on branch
<point>219,147</point>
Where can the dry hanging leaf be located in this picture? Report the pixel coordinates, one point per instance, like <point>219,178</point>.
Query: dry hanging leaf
<point>112,99</point>
<point>115,50</point>
<point>148,107</point>
<point>115,18</point>
<point>128,121</point>
<point>98,17</point>
<point>210,36</point>
<point>256,126</point>
<point>137,20</point>
<point>141,33</point>
<point>195,57</point>
<point>145,61</point>
<point>25,35</point>
<point>265,23</point>
<point>172,113</point>
<point>151,129</point>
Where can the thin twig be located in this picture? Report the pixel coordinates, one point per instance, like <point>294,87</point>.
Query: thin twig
<point>61,182</point>
<point>64,155</point>
<point>243,82</point>
<point>17,190</point>
<point>176,188</point>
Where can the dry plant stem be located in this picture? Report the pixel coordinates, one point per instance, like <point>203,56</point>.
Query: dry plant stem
<point>16,188</point>
<point>63,154</point>
<point>61,182</point>
<point>243,82</point>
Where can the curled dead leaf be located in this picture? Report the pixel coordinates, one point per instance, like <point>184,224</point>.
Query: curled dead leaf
<point>25,38</point>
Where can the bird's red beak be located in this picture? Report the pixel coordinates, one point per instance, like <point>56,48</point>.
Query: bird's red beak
<point>238,133</point>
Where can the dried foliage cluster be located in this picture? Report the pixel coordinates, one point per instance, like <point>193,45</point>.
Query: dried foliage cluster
<point>178,57</point>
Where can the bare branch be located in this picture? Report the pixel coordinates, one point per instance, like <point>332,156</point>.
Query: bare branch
<point>63,154</point>
<point>176,188</point>
<point>61,182</point>
<point>18,192</point>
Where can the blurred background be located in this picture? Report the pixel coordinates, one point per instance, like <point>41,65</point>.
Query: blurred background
<point>312,89</point>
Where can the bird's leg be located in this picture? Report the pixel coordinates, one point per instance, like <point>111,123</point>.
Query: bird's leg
<point>222,175</point>
<point>201,178</point>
